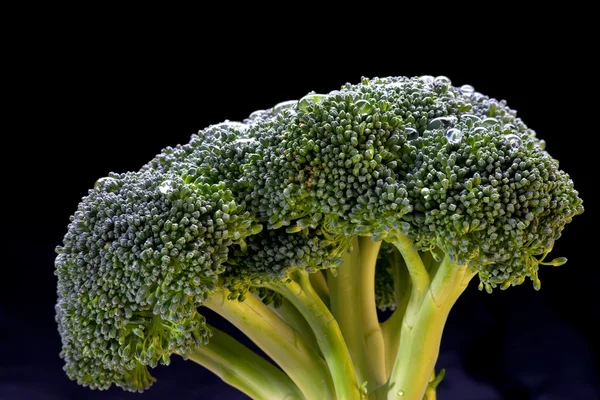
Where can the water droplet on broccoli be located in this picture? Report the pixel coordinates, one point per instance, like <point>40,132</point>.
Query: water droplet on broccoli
<point>257,114</point>
<point>310,99</point>
<point>467,90</point>
<point>454,135</point>
<point>508,128</point>
<point>513,141</point>
<point>167,187</point>
<point>489,122</point>
<point>363,107</point>
<point>440,122</point>
<point>427,79</point>
<point>107,184</point>
<point>411,133</point>
<point>232,124</point>
<point>470,117</point>
<point>283,105</point>
<point>443,80</point>
<point>470,120</point>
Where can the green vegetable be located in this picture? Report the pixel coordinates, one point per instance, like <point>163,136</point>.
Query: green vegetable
<point>296,226</point>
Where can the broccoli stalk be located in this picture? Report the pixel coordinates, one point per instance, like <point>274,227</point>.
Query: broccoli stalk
<point>278,340</point>
<point>297,226</point>
<point>420,324</point>
<point>243,369</point>
<point>353,305</point>
<point>431,299</point>
<point>327,331</point>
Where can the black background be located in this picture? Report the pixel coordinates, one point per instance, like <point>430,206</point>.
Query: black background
<point>85,106</point>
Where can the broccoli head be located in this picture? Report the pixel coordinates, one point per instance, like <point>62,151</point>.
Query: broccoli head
<point>296,225</point>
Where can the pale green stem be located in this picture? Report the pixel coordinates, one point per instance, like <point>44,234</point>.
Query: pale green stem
<point>292,316</point>
<point>319,283</point>
<point>418,275</point>
<point>392,331</point>
<point>420,341</point>
<point>326,329</point>
<point>375,347</point>
<point>428,262</point>
<point>392,327</point>
<point>346,308</point>
<point>243,369</point>
<point>278,340</point>
<point>439,288</point>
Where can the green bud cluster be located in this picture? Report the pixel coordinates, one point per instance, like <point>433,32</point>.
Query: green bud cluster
<point>288,189</point>
<point>448,167</point>
<point>141,254</point>
<point>273,254</point>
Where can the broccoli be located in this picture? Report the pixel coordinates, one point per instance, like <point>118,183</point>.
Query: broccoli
<point>297,225</point>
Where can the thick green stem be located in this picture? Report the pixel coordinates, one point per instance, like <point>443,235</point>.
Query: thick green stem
<point>392,330</point>
<point>418,275</point>
<point>319,283</point>
<point>368,251</point>
<point>392,327</point>
<point>420,341</point>
<point>294,318</point>
<point>243,369</point>
<point>346,307</point>
<point>440,288</point>
<point>328,333</point>
<point>278,340</point>
<point>417,353</point>
<point>428,262</point>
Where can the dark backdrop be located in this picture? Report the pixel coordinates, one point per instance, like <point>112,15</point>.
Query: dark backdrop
<point>83,110</point>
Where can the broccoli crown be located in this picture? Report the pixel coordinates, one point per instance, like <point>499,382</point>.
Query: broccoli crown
<point>141,254</point>
<point>287,189</point>
<point>448,167</point>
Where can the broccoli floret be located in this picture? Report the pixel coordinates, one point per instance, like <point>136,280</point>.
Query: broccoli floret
<point>142,252</point>
<point>415,156</point>
<point>296,225</point>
